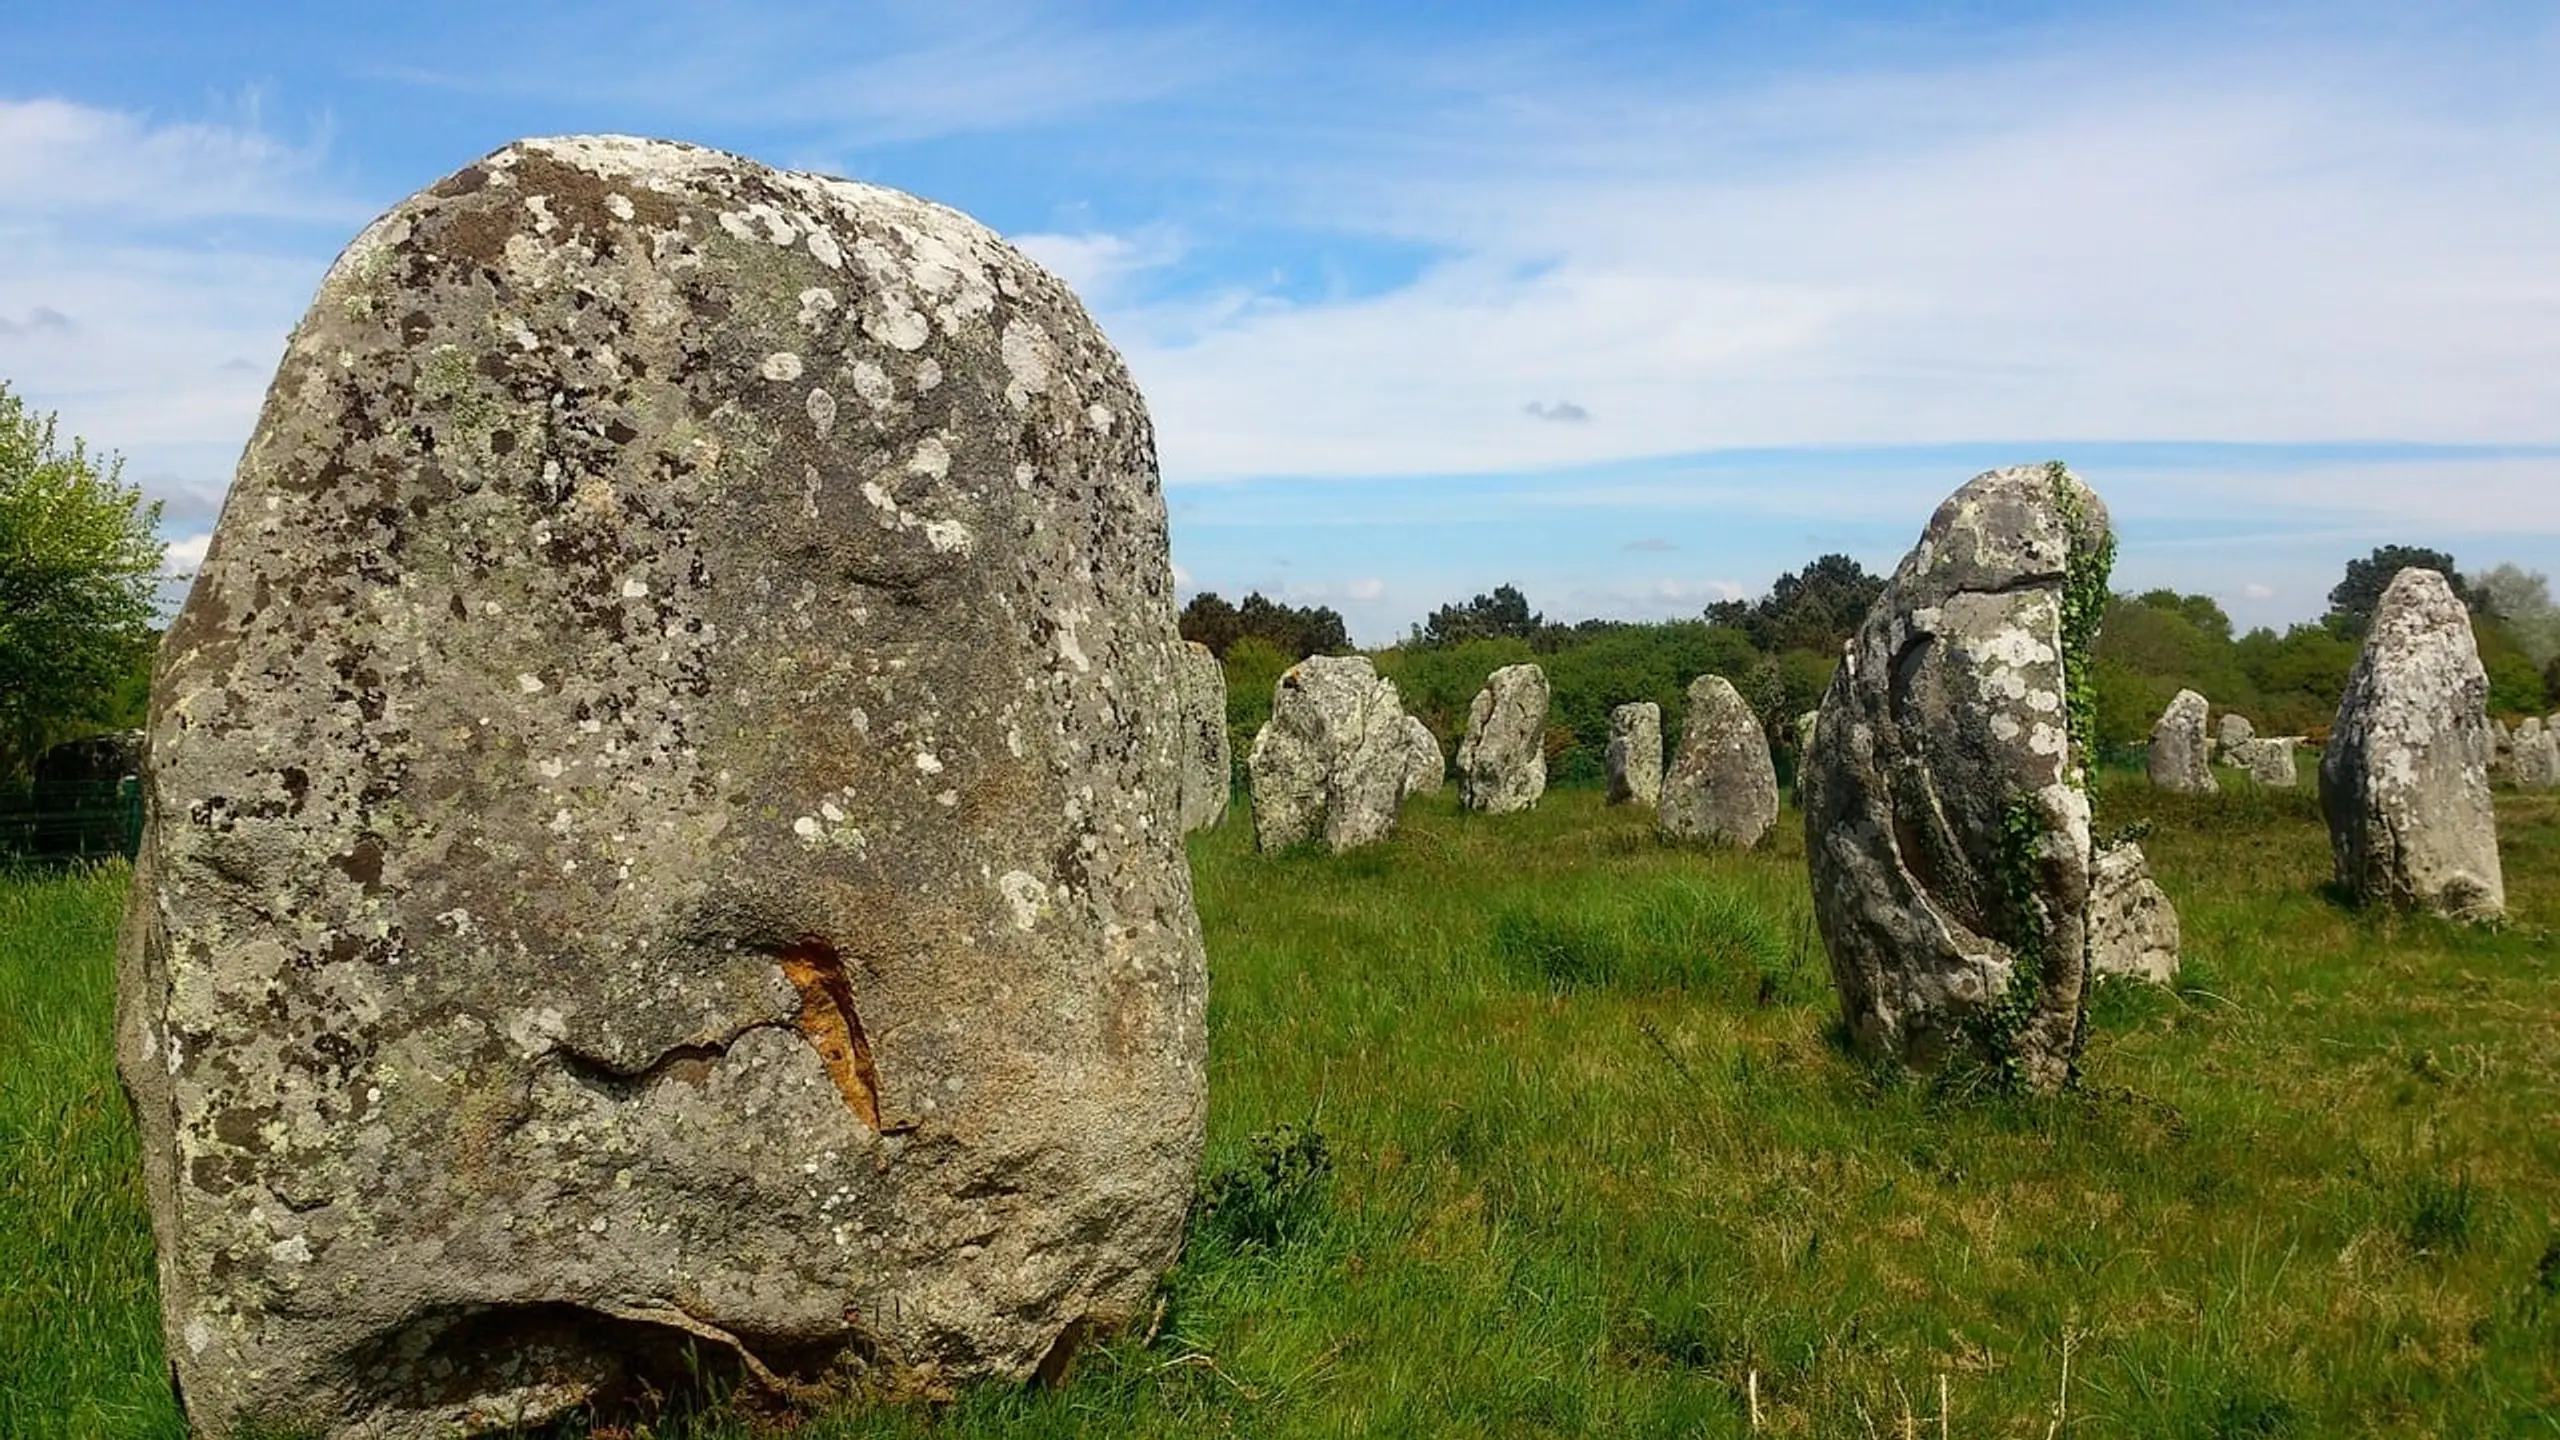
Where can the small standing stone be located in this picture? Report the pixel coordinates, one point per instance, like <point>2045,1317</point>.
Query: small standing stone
<point>1635,754</point>
<point>2133,929</point>
<point>2178,761</point>
<point>1427,769</point>
<point>2234,732</point>
<point>2269,760</point>
<point>1208,770</point>
<point>2404,779</point>
<point>1331,764</point>
<point>1502,762</point>
<point>1722,786</point>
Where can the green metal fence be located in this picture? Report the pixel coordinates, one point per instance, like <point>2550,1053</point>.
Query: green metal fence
<point>72,820</point>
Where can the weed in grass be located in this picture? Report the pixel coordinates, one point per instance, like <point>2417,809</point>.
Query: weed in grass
<point>1275,1193</point>
<point>2438,1212</point>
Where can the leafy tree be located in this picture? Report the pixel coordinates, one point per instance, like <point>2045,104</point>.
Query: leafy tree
<point>79,573</point>
<point>1300,632</point>
<point>2355,598</point>
<point>1814,609</point>
<point>1502,615</point>
<point>2521,600</point>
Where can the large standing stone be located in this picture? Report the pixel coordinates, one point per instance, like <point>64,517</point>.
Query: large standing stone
<point>2234,731</point>
<point>1635,754</point>
<point>2269,760</point>
<point>1426,769</point>
<point>1208,770</point>
<point>2404,779</point>
<point>663,829</point>
<point>1333,761</point>
<point>1502,761</point>
<point>1721,787</point>
<point>2178,759</point>
<point>2133,929</point>
<point>1946,825</point>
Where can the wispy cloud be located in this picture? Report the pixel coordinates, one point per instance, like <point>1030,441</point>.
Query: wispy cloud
<point>1564,411</point>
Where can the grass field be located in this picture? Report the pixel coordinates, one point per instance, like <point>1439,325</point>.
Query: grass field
<point>1533,1125</point>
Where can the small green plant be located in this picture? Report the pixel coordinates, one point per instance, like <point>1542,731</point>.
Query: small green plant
<point>2439,1212</point>
<point>1275,1193</point>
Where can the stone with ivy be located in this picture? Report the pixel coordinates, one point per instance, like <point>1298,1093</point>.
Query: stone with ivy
<point>1207,769</point>
<point>1502,759</point>
<point>1946,801</point>
<point>1635,754</point>
<point>1722,786</point>
<point>2404,778</point>
<point>2179,758</point>
<point>663,857</point>
<point>1333,762</point>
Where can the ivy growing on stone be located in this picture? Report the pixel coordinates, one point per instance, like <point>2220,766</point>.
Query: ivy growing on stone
<point>2088,564</point>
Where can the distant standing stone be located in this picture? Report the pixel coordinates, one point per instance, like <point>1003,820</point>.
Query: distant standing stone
<point>2178,761</point>
<point>2537,759</point>
<point>2269,760</point>
<point>1721,787</point>
<point>1333,761</point>
<point>1426,768</point>
<point>1502,761</point>
<point>2404,779</point>
<point>1946,823</point>
<point>1635,754</point>
<point>663,847</point>
<point>1804,734</point>
<point>2233,732</point>
<point>2133,929</point>
<point>1208,769</point>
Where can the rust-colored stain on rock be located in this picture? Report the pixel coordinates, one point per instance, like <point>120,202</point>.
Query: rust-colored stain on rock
<point>828,1020</point>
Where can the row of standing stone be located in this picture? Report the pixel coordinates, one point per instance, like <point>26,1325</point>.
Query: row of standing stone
<point>1339,756</point>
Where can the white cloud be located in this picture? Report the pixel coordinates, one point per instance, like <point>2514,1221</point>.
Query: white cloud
<point>186,554</point>
<point>155,269</point>
<point>2255,591</point>
<point>1097,266</point>
<point>1365,590</point>
<point>2229,249</point>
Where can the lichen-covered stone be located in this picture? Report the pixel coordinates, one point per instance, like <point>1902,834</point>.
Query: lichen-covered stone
<point>1635,754</point>
<point>1333,761</point>
<point>2178,760</point>
<point>1502,760</point>
<point>663,818</point>
<point>2404,778</point>
<point>1722,786</point>
<point>2133,929</point>
<point>1427,769</point>
<point>2269,761</point>
<point>1946,827</point>
<point>1208,770</point>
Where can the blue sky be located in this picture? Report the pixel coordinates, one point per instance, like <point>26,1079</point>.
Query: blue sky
<point>1630,305</point>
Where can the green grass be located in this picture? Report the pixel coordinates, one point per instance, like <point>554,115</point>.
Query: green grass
<point>1570,1149</point>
